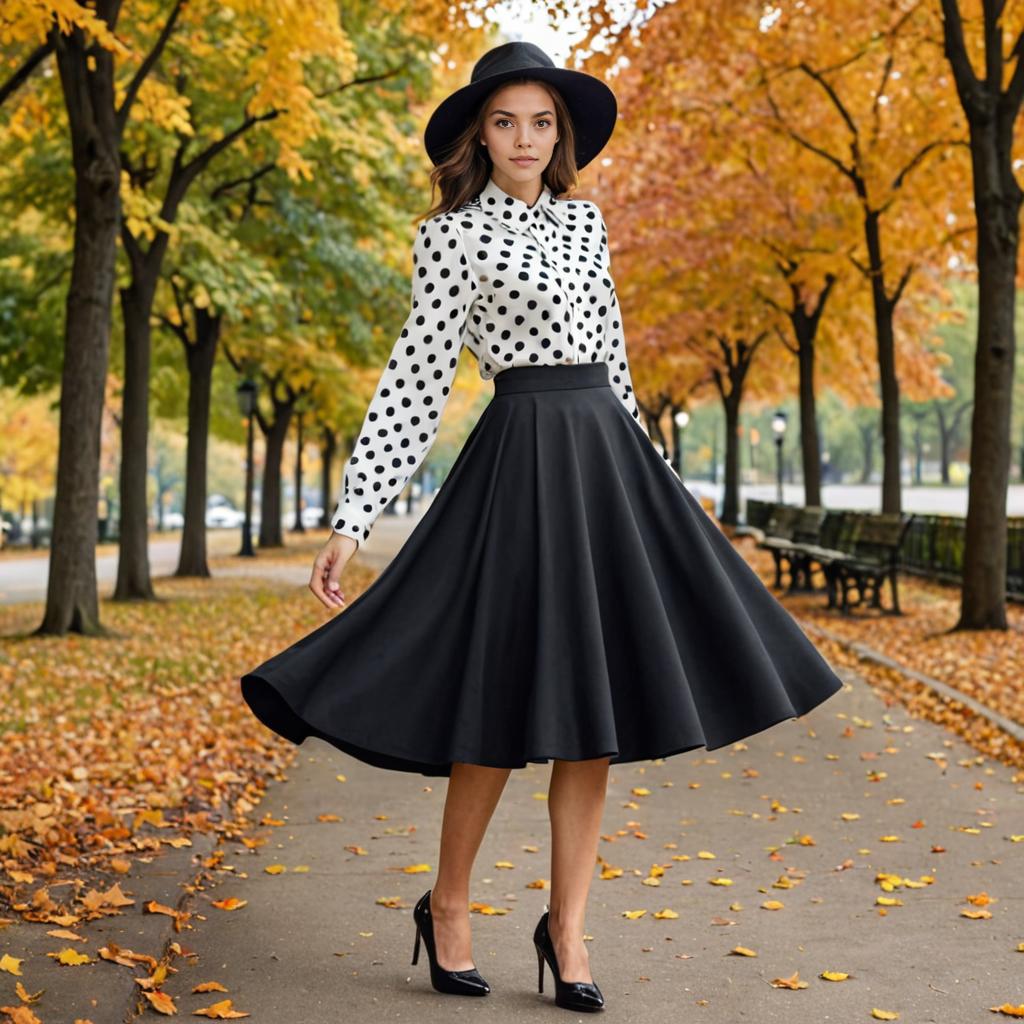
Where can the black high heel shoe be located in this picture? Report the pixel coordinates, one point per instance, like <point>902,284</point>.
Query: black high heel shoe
<point>469,982</point>
<point>573,995</point>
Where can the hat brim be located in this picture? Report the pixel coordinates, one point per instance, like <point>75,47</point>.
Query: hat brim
<point>592,106</point>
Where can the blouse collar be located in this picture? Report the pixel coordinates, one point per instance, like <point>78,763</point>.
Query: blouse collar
<point>516,212</point>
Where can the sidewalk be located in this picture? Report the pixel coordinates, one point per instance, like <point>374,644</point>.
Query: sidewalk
<point>314,944</point>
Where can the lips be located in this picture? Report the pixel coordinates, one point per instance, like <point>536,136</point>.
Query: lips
<point>524,160</point>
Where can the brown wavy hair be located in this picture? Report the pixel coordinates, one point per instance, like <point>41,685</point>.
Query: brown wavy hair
<point>464,172</point>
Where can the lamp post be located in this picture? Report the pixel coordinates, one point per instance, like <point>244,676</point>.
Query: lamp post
<point>779,429</point>
<point>755,440</point>
<point>682,418</point>
<point>246,393</point>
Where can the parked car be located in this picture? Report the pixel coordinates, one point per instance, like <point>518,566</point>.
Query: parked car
<point>311,516</point>
<point>224,516</point>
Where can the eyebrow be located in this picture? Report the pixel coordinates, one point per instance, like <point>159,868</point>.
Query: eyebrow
<point>510,114</point>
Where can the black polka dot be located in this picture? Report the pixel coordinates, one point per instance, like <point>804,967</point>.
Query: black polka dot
<point>518,285</point>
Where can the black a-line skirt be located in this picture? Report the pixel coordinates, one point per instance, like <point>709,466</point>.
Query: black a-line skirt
<point>563,596</point>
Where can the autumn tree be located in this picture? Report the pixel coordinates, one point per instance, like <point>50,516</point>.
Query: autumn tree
<point>991,100</point>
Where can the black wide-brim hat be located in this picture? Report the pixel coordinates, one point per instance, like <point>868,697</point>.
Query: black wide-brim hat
<point>591,103</point>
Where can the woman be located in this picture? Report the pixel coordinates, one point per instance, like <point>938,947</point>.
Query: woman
<point>564,597</point>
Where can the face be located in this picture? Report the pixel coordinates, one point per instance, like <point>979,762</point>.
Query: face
<point>520,132</point>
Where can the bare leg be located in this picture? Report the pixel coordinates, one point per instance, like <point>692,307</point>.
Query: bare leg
<point>575,805</point>
<point>473,793</point>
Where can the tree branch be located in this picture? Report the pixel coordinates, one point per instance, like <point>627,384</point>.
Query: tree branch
<point>146,66</point>
<point>361,81</point>
<point>22,75</point>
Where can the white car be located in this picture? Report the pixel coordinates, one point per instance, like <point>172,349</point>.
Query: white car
<point>223,516</point>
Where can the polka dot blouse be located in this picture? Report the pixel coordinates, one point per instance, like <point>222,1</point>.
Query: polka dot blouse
<point>518,285</point>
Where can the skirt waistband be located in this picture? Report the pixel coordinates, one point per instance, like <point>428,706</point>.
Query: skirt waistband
<point>550,377</point>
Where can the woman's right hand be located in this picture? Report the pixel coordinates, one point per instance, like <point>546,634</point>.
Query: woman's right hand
<point>332,559</point>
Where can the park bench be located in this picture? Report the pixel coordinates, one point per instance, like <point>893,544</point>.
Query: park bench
<point>788,549</point>
<point>759,514</point>
<point>835,542</point>
<point>873,560</point>
<point>779,530</point>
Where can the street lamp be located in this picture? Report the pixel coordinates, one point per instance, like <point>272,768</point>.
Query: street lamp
<point>246,393</point>
<point>682,418</point>
<point>779,429</point>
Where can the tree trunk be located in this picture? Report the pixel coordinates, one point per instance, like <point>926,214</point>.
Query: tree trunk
<point>810,445</point>
<point>133,579</point>
<point>889,387</point>
<point>731,496</point>
<point>983,599</point>
<point>87,78</point>
<point>200,356</point>
<point>270,505</point>
<point>328,446</point>
<point>299,527</point>
<point>867,444</point>
<point>992,114</point>
<point>945,439</point>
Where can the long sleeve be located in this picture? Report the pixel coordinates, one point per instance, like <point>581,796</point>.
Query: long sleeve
<point>614,336</point>
<point>403,416</point>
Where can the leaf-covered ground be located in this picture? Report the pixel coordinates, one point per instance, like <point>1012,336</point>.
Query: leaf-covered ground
<point>110,747</point>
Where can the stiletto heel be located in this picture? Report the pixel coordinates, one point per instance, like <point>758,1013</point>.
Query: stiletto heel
<point>468,982</point>
<point>572,995</point>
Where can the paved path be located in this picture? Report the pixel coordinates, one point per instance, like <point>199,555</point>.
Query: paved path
<point>314,945</point>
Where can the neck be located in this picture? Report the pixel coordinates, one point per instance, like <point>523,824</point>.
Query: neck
<point>528,191</point>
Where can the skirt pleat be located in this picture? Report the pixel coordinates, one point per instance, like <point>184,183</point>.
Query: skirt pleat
<point>563,596</point>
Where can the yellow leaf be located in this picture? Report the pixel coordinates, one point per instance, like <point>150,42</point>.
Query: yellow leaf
<point>885,1014</point>
<point>414,869</point>
<point>706,855</point>
<point>720,881</point>
<point>220,1011</point>
<point>504,864</point>
<point>662,915</point>
<point>209,986</point>
<point>888,901</point>
<point>633,914</point>
<point>10,964</point>
<point>742,951</point>
<point>71,957</point>
<point>833,975</point>
<point>341,778</point>
<point>161,1002</point>
<point>274,869</point>
<point>773,905</point>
